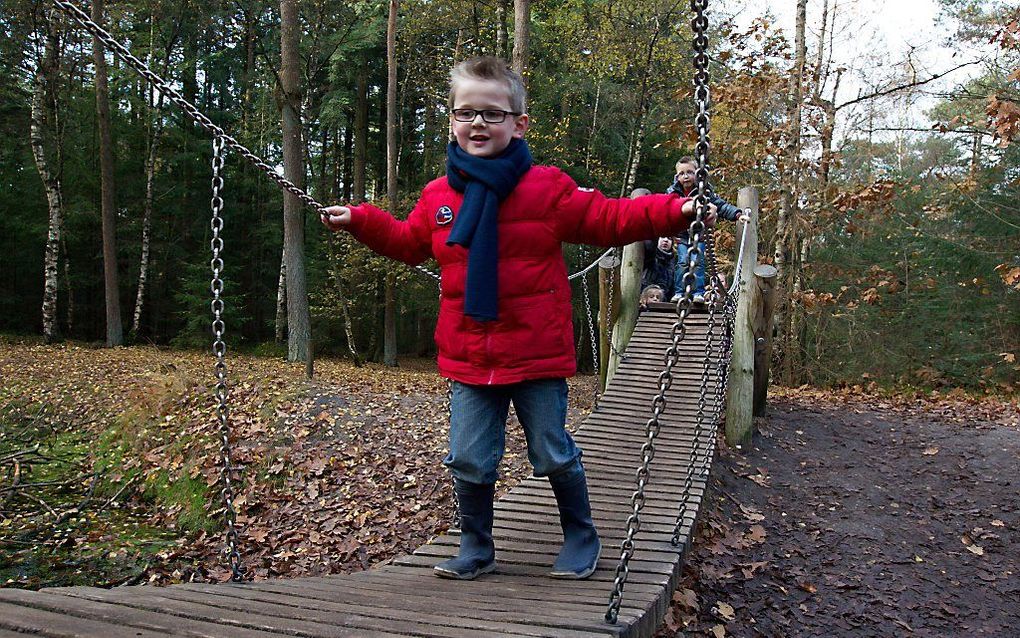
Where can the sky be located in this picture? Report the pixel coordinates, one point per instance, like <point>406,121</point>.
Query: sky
<point>886,33</point>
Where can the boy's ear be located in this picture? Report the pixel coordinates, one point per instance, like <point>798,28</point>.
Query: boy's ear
<point>521,124</point>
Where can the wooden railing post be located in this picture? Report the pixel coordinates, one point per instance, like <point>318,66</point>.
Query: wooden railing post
<point>740,386</point>
<point>609,281</point>
<point>630,290</point>
<point>764,289</point>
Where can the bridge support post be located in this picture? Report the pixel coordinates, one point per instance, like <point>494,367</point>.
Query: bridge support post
<point>740,385</point>
<point>630,291</point>
<point>762,307</point>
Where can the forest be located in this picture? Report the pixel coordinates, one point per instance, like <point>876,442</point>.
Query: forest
<point>890,236</point>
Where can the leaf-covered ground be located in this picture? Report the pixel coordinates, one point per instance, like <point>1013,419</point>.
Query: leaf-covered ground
<point>852,514</point>
<point>860,515</point>
<point>109,463</point>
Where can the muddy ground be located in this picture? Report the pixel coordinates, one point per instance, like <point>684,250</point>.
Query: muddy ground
<point>843,519</point>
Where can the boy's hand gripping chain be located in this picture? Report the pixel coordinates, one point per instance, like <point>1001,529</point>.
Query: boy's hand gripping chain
<point>699,24</point>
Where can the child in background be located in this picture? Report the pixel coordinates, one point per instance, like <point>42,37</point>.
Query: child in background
<point>495,224</point>
<point>660,265</point>
<point>685,185</point>
<point>651,294</point>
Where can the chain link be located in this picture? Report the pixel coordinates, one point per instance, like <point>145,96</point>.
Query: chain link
<point>220,351</point>
<point>591,333</point>
<point>684,306</point>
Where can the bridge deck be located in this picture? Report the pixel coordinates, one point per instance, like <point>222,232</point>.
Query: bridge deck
<point>404,598</point>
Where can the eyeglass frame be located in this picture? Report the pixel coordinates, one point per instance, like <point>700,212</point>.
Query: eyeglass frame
<point>476,112</point>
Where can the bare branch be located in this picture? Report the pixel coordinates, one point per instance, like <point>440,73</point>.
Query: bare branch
<point>908,85</point>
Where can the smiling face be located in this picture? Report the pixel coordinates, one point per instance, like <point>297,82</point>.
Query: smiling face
<point>478,137</point>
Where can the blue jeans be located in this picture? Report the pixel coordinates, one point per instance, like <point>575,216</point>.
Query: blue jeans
<point>681,269</point>
<point>478,428</point>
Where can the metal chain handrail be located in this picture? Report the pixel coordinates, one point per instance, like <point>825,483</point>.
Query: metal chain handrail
<point>584,271</point>
<point>591,333</point>
<point>220,351</point>
<point>699,25</point>
<point>192,111</point>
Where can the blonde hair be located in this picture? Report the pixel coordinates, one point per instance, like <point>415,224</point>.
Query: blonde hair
<point>647,293</point>
<point>686,159</point>
<point>488,67</point>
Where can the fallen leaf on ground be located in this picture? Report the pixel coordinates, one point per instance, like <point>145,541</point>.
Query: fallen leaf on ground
<point>725,611</point>
<point>930,451</point>
<point>719,631</point>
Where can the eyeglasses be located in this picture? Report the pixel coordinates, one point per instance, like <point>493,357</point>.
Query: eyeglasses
<point>490,116</point>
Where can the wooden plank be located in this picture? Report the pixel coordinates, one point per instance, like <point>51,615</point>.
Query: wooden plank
<point>41,622</point>
<point>443,621</point>
<point>254,618</point>
<point>52,600</point>
<point>303,594</point>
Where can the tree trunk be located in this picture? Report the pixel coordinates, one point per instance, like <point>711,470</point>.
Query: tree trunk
<point>154,133</point>
<point>281,300</point>
<point>390,321</point>
<point>114,329</point>
<point>786,223</point>
<point>69,327</point>
<point>501,34</point>
<point>360,135</point>
<point>522,35</point>
<point>143,263</point>
<point>298,316</point>
<point>348,162</point>
<point>43,113</point>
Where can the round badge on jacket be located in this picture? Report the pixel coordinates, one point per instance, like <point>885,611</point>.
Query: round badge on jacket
<point>444,215</point>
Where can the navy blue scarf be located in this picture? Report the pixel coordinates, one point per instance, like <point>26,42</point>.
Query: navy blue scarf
<point>485,182</point>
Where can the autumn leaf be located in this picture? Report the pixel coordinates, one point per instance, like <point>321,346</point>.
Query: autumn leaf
<point>725,611</point>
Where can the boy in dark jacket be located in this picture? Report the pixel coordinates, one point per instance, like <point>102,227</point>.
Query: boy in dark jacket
<point>685,184</point>
<point>495,224</point>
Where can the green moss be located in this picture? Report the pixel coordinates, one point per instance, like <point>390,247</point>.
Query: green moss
<point>187,495</point>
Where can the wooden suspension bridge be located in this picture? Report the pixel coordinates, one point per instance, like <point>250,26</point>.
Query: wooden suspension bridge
<point>404,598</point>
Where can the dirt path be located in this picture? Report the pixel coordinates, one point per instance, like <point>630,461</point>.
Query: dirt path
<point>848,521</point>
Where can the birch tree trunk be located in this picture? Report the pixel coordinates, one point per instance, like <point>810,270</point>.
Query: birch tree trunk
<point>154,133</point>
<point>43,112</point>
<point>281,299</point>
<point>501,34</point>
<point>114,328</point>
<point>143,262</point>
<point>390,315</point>
<point>298,315</point>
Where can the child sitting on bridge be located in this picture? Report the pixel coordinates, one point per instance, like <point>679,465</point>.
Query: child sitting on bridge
<point>660,265</point>
<point>495,224</point>
<point>685,184</point>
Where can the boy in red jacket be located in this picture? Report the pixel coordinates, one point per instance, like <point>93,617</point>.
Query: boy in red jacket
<point>495,224</point>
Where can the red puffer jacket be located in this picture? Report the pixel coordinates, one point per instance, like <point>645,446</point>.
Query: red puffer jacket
<point>534,336</point>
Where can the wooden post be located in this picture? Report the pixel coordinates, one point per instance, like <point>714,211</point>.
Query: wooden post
<point>740,387</point>
<point>763,306</point>
<point>630,291</point>
<point>607,268</point>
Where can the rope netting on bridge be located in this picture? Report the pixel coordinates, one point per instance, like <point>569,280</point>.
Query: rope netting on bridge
<point>720,308</point>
